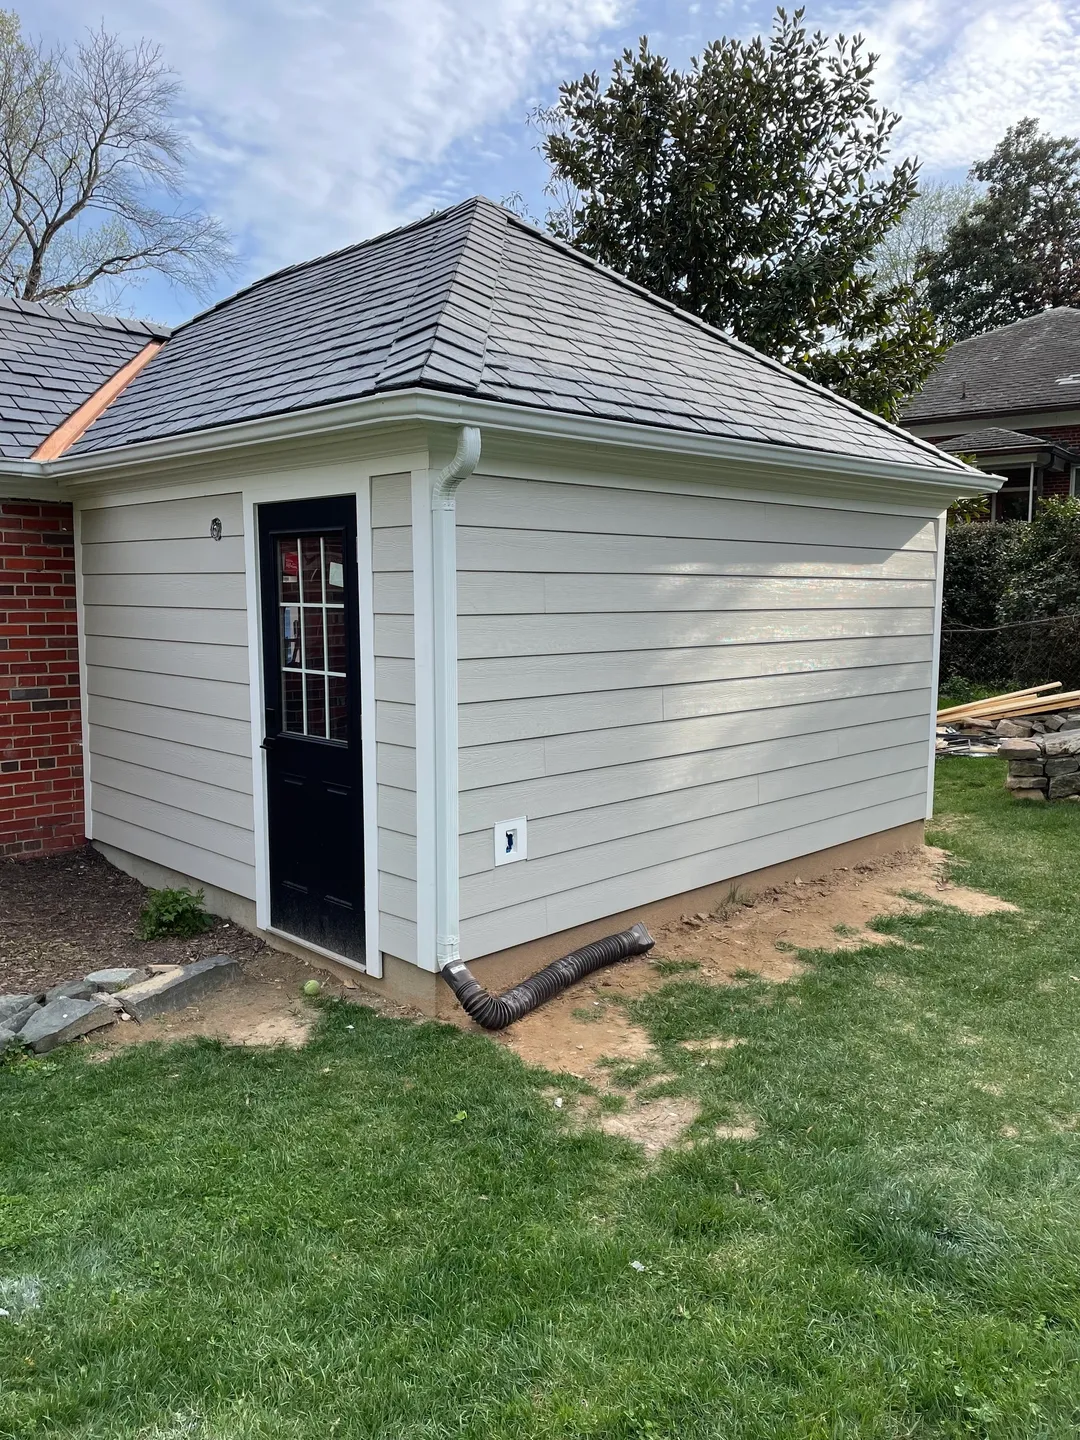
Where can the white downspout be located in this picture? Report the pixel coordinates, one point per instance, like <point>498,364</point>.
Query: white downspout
<point>1031,491</point>
<point>444,567</point>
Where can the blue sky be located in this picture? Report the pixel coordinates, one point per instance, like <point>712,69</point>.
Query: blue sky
<point>315,123</point>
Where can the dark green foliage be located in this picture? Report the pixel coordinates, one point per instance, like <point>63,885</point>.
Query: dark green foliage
<point>1044,564</point>
<point>173,912</point>
<point>752,190</point>
<point>1016,588</point>
<point>1017,250</point>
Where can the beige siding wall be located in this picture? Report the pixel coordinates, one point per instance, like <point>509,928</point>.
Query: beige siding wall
<point>675,689</point>
<point>167,686</point>
<point>395,711</point>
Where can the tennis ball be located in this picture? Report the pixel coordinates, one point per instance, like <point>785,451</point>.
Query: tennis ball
<point>311,987</point>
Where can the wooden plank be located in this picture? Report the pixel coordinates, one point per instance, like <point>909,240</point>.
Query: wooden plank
<point>393,592</point>
<point>397,854</point>
<point>535,675</point>
<point>397,937</point>
<point>395,679</point>
<point>395,636</point>
<point>397,895</point>
<point>558,553</point>
<point>141,622</point>
<point>396,809</point>
<point>391,500</point>
<point>395,723</point>
<point>973,706</point>
<point>713,697</point>
<point>163,519</point>
<point>396,765</point>
<point>532,505</point>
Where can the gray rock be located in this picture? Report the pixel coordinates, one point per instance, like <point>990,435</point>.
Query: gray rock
<point>1029,795</point>
<point>1039,727</point>
<point>8,1037</point>
<point>62,1020</point>
<point>1065,744</point>
<point>1053,722</point>
<point>117,978</point>
<point>69,990</point>
<point>17,1021</point>
<point>1072,722</point>
<point>15,1005</point>
<point>185,986</point>
<point>1062,786</point>
<point>1019,749</point>
<point>1026,767</point>
<point>1026,782</point>
<point>1014,729</point>
<point>1061,767</point>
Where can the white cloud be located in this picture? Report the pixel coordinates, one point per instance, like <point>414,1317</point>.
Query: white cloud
<point>316,122</point>
<point>961,71</point>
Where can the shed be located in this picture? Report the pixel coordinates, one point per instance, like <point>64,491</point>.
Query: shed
<point>451,595</point>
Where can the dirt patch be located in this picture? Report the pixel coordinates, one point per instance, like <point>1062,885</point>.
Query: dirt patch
<point>742,1130</point>
<point>717,1042</point>
<point>655,1125</point>
<point>64,915</point>
<point>758,936</point>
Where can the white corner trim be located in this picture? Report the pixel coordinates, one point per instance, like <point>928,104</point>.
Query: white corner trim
<point>369,754</point>
<point>423,667</point>
<point>444,584</point>
<point>935,661</point>
<point>255,695</point>
<point>84,678</point>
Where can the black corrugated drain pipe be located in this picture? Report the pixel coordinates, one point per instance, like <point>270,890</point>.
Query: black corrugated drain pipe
<point>495,1012</point>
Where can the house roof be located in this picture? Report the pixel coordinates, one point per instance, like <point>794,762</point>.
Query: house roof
<point>52,359</point>
<point>1033,364</point>
<point>995,438</point>
<point>476,302</point>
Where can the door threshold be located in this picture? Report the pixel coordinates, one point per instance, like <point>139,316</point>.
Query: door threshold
<point>316,949</point>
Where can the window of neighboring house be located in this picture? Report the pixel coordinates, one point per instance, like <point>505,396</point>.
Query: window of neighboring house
<point>1011,501</point>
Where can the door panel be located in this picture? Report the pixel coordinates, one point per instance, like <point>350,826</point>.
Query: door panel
<point>311,676</point>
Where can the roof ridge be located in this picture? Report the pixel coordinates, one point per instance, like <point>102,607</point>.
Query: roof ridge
<point>717,334</point>
<point>41,309</point>
<point>1023,320</point>
<point>436,216</point>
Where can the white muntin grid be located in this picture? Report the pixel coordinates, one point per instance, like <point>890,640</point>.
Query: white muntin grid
<point>307,666</point>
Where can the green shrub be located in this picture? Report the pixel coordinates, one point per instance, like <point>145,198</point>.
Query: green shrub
<point>1044,564</point>
<point>173,912</point>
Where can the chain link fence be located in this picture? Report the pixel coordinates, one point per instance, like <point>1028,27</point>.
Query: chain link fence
<point>1011,657</point>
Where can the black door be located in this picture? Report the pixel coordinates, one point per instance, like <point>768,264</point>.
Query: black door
<point>311,668</point>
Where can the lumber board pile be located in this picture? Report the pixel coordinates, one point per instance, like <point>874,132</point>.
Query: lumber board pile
<point>978,727</point>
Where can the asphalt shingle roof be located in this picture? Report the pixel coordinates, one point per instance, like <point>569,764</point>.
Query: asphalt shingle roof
<point>51,360</point>
<point>474,301</point>
<point>1033,364</point>
<point>994,438</point>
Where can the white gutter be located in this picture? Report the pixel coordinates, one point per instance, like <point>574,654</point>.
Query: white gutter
<point>418,405</point>
<point>444,564</point>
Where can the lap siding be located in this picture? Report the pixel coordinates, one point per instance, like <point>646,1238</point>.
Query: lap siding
<point>675,689</point>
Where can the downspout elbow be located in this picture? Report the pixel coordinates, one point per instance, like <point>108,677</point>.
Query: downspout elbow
<point>466,456</point>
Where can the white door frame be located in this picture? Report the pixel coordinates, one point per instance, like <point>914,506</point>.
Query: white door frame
<point>265,492</point>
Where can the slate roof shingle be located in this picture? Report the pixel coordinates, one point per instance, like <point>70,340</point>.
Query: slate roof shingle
<point>51,360</point>
<point>475,302</point>
<point>1033,364</point>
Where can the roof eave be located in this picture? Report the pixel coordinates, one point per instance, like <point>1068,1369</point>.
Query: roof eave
<point>27,480</point>
<point>431,406</point>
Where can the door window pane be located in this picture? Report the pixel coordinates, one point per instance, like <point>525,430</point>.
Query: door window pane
<point>314,639</point>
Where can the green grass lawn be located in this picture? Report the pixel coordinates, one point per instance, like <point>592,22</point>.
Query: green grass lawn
<point>208,1244</point>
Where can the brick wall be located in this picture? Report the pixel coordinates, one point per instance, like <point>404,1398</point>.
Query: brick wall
<point>41,793</point>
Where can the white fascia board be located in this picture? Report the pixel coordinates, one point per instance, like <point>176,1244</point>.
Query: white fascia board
<point>804,469</point>
<point>27,480</point>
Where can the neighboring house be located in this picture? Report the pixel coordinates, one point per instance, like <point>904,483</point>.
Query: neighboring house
<point>1010,399</point>
<point>53,361</point>
<point>451,592</point>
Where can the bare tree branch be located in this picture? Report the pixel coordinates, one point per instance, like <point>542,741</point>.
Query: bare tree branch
<point>87,148</point>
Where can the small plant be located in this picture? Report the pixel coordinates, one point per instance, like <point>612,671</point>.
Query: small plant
<point>173,912</point>
<point>675,967</point>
